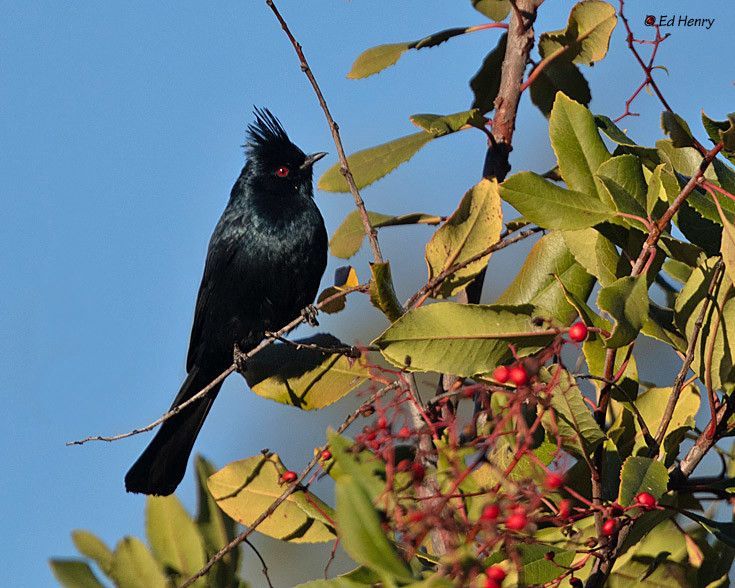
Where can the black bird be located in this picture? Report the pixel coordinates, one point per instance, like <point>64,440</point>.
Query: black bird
<point>265,260</point>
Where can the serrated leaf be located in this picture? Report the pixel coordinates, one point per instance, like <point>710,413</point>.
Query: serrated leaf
<point>361,533</point>
<point>497,10</point>
<point>133,566</point>
<point>382,293</point>
<point>308,379</point>
<point>173,536</point>
<point>486,82</point>
<point>676,128</point>
<point>444,124</point>
<point>74,573</point>
<point>626,301</point>
<point>349,236</point>
<point>575,424</point>
<point>537,568</point>
<point>559,76</point>
<point>727,246</point>
<point>577,145</point>
<point>369,165</point>
<point>587,34</point>
<point>551,206</point>
<point>91,546</point>
<point>722,131</point>
<point>246,488</point>
<point>538,281</point>
<point>613,132</point>
<point>378,58</point>
<point>642,474</point>
<point>596,254</point>
<point>460,339</point>
<point>684,160</point>
<point>660,184</point>
<point>471,229</point>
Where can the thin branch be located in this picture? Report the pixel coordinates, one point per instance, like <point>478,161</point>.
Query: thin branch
<point>370,231</point>
<point>243,357</point>
<point>264,569</point>
<point>296,485</point>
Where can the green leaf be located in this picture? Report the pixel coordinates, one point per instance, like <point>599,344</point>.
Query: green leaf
<point>577,145</point>
<point>349,236</point>
<point>444,124</point>
<point>548,265</point>
<point>369,165</point>
<point>626,301</point>
<point>174,537</point>
<point>246,488</point>
<point>576,427</point>
<point>472,228</point>
<point>537,569</point>
<point>308,379</point>
<point>551,206</point>
<point>497,10</point>
<point>216,529</point>
<point>133,566</point>
<point>613,132</point>
<point>642,474</point>
<point>91,546</point>
<point>460,339</point>
<point>685,160</point>
<point>378,58</point>
<point>676,128</point>
<point>587,34</point>
<point>382,293</point>
<point>724,532</point>
<point>486,82</point>
<point>727,246</point>
<point>715,336</point>
<point>722,131</point>
<point>361,534</point>
<point>559,76</point>
<point>73,573</point>
<point>596,254</point>
<point>625,186</point>
<point>361,577</point>
<point>661,185</point>
<point>363,467</point>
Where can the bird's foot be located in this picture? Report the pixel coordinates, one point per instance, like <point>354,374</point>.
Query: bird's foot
<point>309,313</point>
<point>238,358</point>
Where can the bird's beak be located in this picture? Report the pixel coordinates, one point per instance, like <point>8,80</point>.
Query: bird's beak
<point>312,159</point>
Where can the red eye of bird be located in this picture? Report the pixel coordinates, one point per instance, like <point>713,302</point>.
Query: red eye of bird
<point>282,171</point>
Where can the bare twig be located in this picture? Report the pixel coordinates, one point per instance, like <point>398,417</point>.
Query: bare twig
<point>296,485</point>
<point>262,562</point>
<point>370,231</point>
<point>241,358</point>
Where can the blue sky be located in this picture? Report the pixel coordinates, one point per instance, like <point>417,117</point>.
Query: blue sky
<point>122,125</point>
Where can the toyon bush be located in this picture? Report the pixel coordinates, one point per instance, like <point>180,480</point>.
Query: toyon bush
<point>511,443</point>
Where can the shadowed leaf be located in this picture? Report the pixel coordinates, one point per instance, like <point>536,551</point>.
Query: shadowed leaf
<point>494,9</point>
<point>626,302</point>
<point>74,573</point>
<point>559,76</point>
<point>486,82</point>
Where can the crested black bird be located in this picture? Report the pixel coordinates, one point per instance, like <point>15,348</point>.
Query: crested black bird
<point>265,260</point>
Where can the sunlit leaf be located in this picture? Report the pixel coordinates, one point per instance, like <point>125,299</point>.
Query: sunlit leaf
<point>444,124</point>
<point>382,293</point>
<point>246,488</point>
<point>642,474</point>
<point>470,230</point>
<point>91,546</point>
<point>494,9</point>
<point>133,566</point>
<point>369,165</point>
<point>596,254</point>
<point>626,301</point>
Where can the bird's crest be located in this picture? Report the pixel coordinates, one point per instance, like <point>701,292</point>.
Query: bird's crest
<point>265,134</point>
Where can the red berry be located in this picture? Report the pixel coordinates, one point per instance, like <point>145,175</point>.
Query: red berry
<point>326,455</point>
<point>416,516</point>
<point>404,465</point>
<point>495,572</point>
<point>575,583</point>
<point>578,332</point>
<point>517,521</point>
<point>382,423</point>
<point>418,471</point>
<point>491,512</point>
<point>553,481</point>
<point>404,433</point>
<point>565,509</point>
<point>490,583</point>
<point>609,527</point>
<point>645,500</point>
<point>501,374</point>
<point>518,375</point>
<point>289,476</point>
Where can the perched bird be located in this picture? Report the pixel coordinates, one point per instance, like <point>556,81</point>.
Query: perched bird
<point>265,260</point>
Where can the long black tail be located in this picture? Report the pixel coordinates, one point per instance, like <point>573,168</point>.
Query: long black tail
<point>162,465</point>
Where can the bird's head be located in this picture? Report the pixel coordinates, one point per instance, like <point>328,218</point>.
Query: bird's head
<point>277,165</point>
